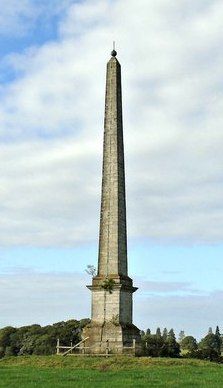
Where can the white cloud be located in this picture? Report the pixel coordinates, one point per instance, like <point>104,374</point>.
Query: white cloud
<point>51,119</point>
<point>42,200</point>
<point>29,297</point>
<point>192,313</point>
<point>148,286</point>
<point>16,16</point>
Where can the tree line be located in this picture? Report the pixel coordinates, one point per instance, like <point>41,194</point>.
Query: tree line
<point>38,340</point>
<point>164,344</point>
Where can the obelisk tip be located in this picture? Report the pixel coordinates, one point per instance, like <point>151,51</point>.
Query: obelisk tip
<point>114,52</point>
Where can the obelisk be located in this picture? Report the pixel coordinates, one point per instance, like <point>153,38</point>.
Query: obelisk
<point>111,320</point>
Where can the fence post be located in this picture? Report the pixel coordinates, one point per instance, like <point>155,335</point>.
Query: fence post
<point>134,345</point>
<point>107,348</point>
<point>83,348</point>
<point>58,346</point>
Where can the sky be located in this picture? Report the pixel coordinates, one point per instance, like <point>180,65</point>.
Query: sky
<point>52,82</point>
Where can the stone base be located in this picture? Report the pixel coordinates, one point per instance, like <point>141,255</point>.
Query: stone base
<point>112,338</point>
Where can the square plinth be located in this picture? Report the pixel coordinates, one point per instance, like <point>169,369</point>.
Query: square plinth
<point>112,338</point>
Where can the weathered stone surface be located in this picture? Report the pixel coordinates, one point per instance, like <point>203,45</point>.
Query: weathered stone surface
<point>113,240</point>
<point>117,338</point>
<point>111,315</point>
<point>118,302</point>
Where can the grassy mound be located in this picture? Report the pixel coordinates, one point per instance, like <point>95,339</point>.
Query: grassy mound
<point>57,371</point>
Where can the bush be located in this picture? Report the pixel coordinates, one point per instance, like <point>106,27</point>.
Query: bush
<point>2,351</point>
<point>9,351</point>
<point>205,354</point>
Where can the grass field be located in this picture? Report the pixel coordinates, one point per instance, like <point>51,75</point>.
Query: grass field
<point>58,371</point>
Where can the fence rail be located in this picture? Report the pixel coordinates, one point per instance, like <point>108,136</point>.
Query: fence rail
<point>83,349</point>
<point>72,347</point>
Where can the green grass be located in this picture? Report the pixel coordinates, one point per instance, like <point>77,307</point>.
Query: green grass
<point>57,371</point>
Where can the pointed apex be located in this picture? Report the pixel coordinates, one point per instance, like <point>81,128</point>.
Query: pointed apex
<point>113,53</point>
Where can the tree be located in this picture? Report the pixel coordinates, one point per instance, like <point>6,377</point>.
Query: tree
<point>171,334</point>
<point>8,351</point>
<point>154,345</point>
<point>211,342</point>
<point>173,348</point>
<point>181,335</point>
<point>35,339</point>
<point>210,331</point>
<point>44,344</point>
<point>148,332</point>
<point>158,332</point>
<point>165,333</point>
<point>189,343</point>
<point>91,270</point>
<point>205,354</point>
<point>2,351</point>
<point>5,335</point>
<point>217,332</point>
<point>5,342</point>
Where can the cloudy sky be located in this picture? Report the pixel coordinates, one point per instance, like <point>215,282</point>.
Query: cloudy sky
<point>52,79</point>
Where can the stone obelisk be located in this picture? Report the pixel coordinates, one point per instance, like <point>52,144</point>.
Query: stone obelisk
<point>111,321</point>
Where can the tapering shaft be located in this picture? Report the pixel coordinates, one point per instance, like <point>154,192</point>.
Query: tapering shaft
<point>113,235</point>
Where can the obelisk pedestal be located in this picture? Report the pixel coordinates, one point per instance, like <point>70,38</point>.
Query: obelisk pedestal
<point>111,317</point>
